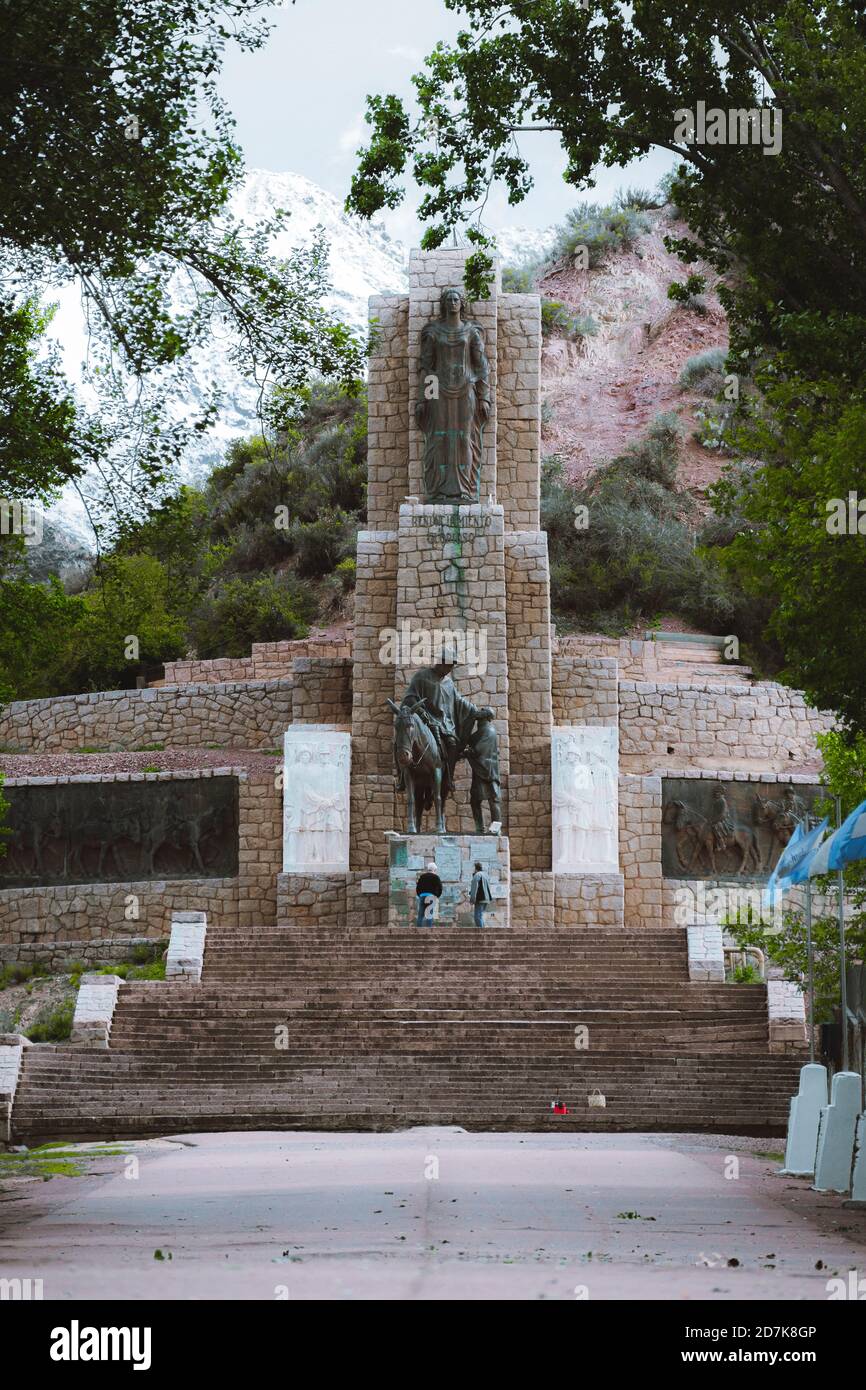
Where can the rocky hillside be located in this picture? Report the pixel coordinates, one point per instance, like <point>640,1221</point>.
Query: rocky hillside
<point>603,390</point>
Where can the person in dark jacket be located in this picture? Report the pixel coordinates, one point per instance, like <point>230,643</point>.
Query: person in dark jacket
<point>480,894</point>
<point>427,890</point>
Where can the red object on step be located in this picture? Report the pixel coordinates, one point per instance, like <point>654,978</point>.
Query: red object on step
<point>559,1107</point>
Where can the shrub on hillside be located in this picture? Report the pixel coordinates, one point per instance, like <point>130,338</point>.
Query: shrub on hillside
<point>637,555</point>
<point>559,321</point>
<point>705,372</point>
<point>639,199</point>
<point>244,609</point>
<point>321,545</point>
<point>602,230</point>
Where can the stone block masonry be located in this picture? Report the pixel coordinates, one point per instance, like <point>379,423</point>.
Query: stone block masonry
<point>585,690</point>
<point>527,583</point>
<point>322,691</point>
<point>388,416</point>
<point>253,714</point>
<point>588,900</point>
<point>518,450</point>
<point>707,725</point>
<point>267,661</point>
<point>373,802</point>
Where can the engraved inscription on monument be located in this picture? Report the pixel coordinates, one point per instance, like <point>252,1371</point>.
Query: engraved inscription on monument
<point>585,768</point>
<point>316,800</point>
<point>118,832</point>
<point>723,829</point>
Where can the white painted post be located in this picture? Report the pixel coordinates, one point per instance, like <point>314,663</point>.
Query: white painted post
<point>804,1121</point>
<point>836,1134</point>
<point>706,952</point>
<point>11,1054</point>
<point>185,955</point>
<point>94,1010</point>
<point>858,1177</point>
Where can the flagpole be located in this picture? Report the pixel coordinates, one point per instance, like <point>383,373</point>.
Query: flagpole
<point>842,952</point>
<point>809,958</point>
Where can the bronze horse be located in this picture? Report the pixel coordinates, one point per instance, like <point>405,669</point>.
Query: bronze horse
<point>420,766</point>
<point>692,826</point>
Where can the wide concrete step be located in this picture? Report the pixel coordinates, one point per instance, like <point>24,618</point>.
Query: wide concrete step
<point>406,1027</point>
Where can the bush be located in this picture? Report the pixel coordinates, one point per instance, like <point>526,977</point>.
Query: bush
<point>519,279</point>
<point>559,321</point>
<point>705,372</point>
<point>38,639</point>
<point>602,230</point>
<point>690,293</point>
<point>18,974</point>
<point>640,199</point>
<point>321,545</point>
<point>133,597</point>
<point>637,557</point>
<point>241,610</point>
<point>54,1024</point>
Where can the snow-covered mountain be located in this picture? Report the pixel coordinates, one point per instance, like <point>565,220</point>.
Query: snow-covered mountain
<point>364,260</point>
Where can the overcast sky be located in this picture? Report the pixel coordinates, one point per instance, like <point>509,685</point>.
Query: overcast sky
<point>299,103</point>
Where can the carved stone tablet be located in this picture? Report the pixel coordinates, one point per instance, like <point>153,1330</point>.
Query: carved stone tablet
<point>585,771</point>
<point>316,800</point>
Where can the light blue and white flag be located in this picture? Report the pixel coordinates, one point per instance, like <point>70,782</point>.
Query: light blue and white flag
<point>776,883</point>
<point>794,861</point>
<point>843,846</point>
<point>801,867</point>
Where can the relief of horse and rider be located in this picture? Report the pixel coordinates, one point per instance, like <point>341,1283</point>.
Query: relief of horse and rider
<point>111,833</point>
<point>729,830</point>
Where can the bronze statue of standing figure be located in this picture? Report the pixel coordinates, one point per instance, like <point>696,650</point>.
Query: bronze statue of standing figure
<point>453,403</point>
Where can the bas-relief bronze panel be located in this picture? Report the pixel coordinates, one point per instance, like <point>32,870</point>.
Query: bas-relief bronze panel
<point>729,829</point>
<point>119,832</point>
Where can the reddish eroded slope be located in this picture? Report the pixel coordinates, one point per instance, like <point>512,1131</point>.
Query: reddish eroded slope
<point>605,390</point>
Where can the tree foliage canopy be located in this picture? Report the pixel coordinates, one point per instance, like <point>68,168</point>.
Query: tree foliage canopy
<point>117,160</point>
<point>786,231</point>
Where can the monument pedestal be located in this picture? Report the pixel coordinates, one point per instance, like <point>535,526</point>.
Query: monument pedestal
<point>455,856</point>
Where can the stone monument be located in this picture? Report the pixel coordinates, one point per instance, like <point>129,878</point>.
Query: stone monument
<point>452,728</point>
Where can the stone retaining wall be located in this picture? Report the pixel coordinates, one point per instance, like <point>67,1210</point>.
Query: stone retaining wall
<point>708,724</point>
<point>253,714</point>
<point>267,661</point>
<point>585,690</point>
<point>342,901</point>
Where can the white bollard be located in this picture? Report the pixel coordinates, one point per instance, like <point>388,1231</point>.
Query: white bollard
<point>94,1010</point>
<point>185,955</point>
<point>858,1179</point>
<point>804,1120</point>
<point>836,1135</point>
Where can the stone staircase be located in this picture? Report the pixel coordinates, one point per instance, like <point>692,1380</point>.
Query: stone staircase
<point>332,1029</point>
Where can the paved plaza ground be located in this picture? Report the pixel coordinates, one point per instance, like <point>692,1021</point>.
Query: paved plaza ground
<point>431,1214</point>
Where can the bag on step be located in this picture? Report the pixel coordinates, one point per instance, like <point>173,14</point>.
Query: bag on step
<point>596,1099</point>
